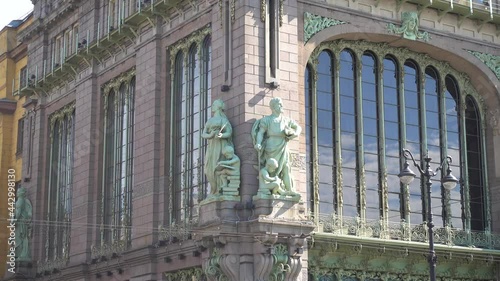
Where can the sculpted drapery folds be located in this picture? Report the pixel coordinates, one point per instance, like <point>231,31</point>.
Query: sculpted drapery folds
<point>218,132</point>
<point>270,136</point>
<point>24,214</point>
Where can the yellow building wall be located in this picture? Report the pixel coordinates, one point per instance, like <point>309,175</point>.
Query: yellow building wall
<point>10,68</point>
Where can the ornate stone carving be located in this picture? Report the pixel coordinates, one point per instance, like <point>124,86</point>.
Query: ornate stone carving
<point>116,82</point>
<point>184,44</point>
<point>296,245</point>
<point>314,24</point>
<point>212,267</point>
<point>409,27</point>
<point>230,266</point>
<point>491,61</point>
<point>270,136</point>
<point>298,161</point>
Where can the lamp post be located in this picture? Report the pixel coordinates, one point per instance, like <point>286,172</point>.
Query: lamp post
<point>449,182</point>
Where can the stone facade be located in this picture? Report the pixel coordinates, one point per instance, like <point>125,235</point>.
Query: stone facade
<point>259,50</point>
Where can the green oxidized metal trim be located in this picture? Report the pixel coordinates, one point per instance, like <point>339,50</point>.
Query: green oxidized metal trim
<point>314,24</point>
<point>189,274</point>
<point>365,262</point>
<point>492,61</point>
<point>213,268</point>
<point>409,27</point>
<point>280,259</point>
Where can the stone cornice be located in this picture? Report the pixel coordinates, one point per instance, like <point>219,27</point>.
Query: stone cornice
<point>30,103</point>
<point>7,106</point>
<point>52,20</point>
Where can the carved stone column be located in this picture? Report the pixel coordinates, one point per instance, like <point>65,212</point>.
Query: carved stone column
<point>263,256</point>
<point>295,251</point>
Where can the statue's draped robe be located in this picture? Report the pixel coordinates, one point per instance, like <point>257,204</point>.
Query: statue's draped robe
<point>274,144</point>
<point>24,212</point>
<point>215,145</point>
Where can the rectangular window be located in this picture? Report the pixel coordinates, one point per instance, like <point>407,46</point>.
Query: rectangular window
<point>23,77</point>
<point>20,135</point>
<point>58,51</point>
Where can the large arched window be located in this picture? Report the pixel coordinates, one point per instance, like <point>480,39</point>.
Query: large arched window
<point>364,103</point>
<point>191,83</point>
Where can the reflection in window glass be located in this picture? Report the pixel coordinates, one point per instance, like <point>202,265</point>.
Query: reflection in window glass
<point>325,113</point>
<point>191,104</point>
<point>476,185</point>
<point>348,131</point>
<point>380,112</point>
<point>370,135</point>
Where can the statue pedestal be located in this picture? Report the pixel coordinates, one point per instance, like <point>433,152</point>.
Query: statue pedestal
<point>279,207</point>
<point>23,271</point>
<point>217,208</point>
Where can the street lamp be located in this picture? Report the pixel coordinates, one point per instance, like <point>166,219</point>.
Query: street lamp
<point>449,182</point>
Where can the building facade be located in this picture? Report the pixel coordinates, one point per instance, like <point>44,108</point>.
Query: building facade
<point>123,93</point>
<point>13,61</point>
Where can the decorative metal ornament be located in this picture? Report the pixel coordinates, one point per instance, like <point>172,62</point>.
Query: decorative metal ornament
<point>491,61</point>
<point>314,24</point>
<point>409,27</point>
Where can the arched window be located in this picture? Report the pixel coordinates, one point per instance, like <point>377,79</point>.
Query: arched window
<point>365,103</point>
<point>191,83</point>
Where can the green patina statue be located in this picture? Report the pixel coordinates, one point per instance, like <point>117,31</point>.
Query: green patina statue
<point>270,136</point>
<point>222,166</point>
<point>228,168</point>
<point>268,180</point>
<point>24,214</point>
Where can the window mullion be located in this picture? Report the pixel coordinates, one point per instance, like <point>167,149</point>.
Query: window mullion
<point>463,164</point>
<point>338,157</point>
<point>50,192</point>
<point>113,184</point>
<point>402,128</point>
<point>384,188</point>
<point>314,138</point>
<point>444,145</point>
<point>423,136</point>
<point>173,136</point>
<point>104,167</point>
<point>361,175</point>
<point>484,175</point>
<point>185,163</point>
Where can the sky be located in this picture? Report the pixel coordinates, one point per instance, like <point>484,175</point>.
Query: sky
<point>13,10</point>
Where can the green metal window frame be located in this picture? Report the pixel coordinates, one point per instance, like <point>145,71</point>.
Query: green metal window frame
<point>60,186</point>
<point>190,103</point>
<point>384,228</point>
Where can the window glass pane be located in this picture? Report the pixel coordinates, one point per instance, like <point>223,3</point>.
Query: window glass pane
<point>474,167</point>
